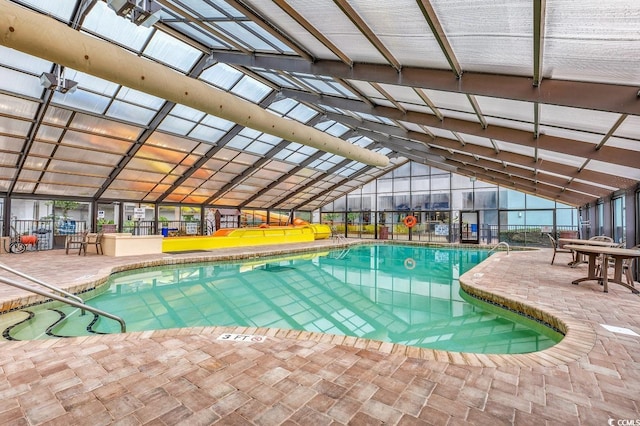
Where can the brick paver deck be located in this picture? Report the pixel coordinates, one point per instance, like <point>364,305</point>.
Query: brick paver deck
<point>188,377</point>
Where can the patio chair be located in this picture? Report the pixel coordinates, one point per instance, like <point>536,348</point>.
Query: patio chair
<point>91,239</point>
<point>601,238</point>
<point>556,249</point>
<point>627,267</point>
<point>73,241</point>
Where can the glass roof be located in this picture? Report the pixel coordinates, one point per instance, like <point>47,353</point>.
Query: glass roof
<point>374,75</point>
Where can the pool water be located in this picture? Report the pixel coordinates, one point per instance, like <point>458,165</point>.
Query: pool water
<point>401,294</point>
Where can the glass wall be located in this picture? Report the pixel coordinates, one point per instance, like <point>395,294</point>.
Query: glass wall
<point>618,215</point>
<point>434,201</point>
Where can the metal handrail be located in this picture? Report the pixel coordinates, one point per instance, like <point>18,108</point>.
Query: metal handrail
<point>42,283</point>
<point>501,243</point>
<point>123,326</point>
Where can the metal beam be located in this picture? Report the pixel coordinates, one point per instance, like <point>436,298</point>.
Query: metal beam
<point>270,28</point>
<point>204,26</point>
<point>38,35</point>
<point>524,173</point>
<point>313,182</point>
<point>440,36</point>
<point>539,13</point>
<point>231,133</point>
<point>607,154</point>
<point>333,187</point>
<point>313,31</point>
<point>577,94</point>
<point>357,20</point>
<point>282,178</point>
<point>549,166</point>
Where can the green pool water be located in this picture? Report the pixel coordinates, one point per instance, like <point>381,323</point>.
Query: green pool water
<point>401,294</point>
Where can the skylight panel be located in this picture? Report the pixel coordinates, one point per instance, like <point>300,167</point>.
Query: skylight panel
<point>571,134</point>
<point>20,83</point>
<point>62,9</point>
<point>240,33</point>
<point>129,112</point>
<point>207,134</point>
<point>251,89</point>
<point>322,87</point>
<point>222,76</point>
<point>205,9</point>
<point>280,81</point>
<point>259,147</point>
<point>48,133</point>
<point>17,107</point>
<point>605,50</point>
<point>449,100</point>
<point>629,128</point>
<point>103,21</point>
<point>283,106</point>
<point>91,83</point>
<point>171,51</point>
<point>187,113</point>
<point>518,149</point>
<point>270,139</point>
<point>577,118</point>
<point>217,122</point>
<point>15,127</point>
<point>337,130</point>
<point>199,35</point>
<point>296,157</point>
<point>239,142</point>
<point>633,145</point>
<point>22,61</point>
<point>176,125</point>
<point>494,38</point>
<point>622,171</point>
<point>83,101</point>
<point>139,98</point>
<point>302,113</point>
<point>506,108</point>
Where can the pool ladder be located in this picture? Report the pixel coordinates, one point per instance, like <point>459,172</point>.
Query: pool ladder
<point>501,243</point>
<point>68,298</point>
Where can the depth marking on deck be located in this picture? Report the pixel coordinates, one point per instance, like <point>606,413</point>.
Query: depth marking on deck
<point>248,338</point>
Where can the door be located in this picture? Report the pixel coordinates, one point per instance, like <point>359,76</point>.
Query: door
<point>469,231</point>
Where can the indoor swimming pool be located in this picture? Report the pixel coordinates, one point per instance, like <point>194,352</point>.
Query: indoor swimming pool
<point>408,295</point>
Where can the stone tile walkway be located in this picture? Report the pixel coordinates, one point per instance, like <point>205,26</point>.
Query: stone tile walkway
<point>189,377</point>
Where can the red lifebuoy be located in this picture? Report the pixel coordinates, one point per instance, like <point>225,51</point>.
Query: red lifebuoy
<point>410,221</point>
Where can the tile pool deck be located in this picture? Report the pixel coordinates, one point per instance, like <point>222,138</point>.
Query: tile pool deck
<point>188,377</point>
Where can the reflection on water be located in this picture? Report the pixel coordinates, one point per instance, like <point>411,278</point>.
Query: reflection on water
<point>400,294</point>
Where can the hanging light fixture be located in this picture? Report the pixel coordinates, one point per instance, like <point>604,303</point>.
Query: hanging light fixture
<point>58,82</point>
<point>144,13</point>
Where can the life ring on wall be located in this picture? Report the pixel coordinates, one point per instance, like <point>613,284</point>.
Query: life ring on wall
<point>410,221</point>
<point>409,263</point>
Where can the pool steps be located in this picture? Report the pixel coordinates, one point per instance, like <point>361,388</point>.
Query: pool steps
<point>46,323</point>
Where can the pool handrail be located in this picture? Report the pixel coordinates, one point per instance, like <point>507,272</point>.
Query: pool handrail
<point>123,326</point>
<point>42,283</point>
<point>501,243</point>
